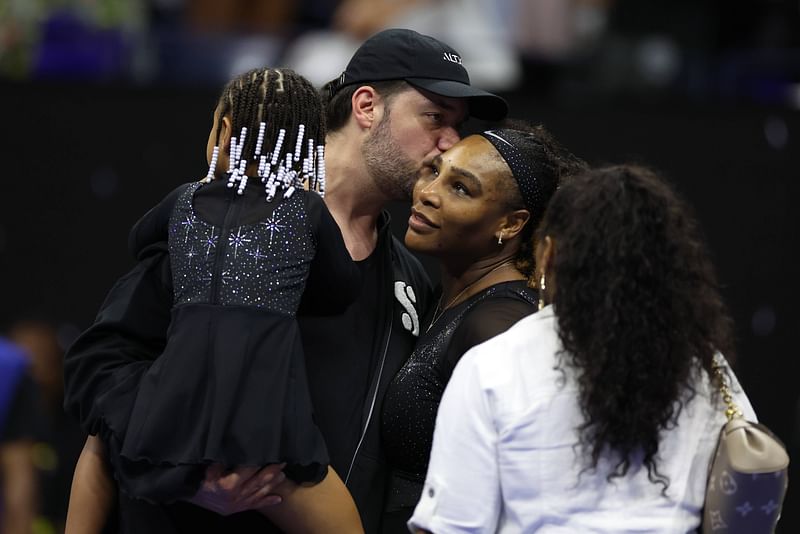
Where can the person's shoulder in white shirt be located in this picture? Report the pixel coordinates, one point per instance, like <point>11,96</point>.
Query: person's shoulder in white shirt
<point>505,454</point>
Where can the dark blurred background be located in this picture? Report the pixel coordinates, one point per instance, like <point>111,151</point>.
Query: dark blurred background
<point>107,106</point>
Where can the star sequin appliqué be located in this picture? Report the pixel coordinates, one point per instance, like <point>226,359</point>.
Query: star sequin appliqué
<point>210,241</point>
<point>190,254</point>
<point>237,240</point>
<point>188,225</point>
<point>273,224</point>
<point>257,255</point>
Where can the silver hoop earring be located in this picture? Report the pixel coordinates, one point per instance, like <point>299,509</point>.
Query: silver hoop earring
<point>500,238</point>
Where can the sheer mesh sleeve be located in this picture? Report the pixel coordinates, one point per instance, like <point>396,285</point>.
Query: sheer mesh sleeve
<point>486,320</point>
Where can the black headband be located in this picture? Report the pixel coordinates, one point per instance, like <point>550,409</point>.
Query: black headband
<point>530,165</point>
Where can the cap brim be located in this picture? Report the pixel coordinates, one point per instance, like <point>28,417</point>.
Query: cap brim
<point>482,104</point>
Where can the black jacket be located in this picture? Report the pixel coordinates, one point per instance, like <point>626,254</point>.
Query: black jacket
<point>130,332</point>
<point>402,279</point>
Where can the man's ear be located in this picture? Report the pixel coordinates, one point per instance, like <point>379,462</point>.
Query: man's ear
<point>365,102</point>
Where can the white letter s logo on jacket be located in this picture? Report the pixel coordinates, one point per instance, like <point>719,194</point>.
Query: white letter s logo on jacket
<point>404,294</point>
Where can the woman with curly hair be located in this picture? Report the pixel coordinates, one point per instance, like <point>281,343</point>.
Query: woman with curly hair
<point>597,413</point>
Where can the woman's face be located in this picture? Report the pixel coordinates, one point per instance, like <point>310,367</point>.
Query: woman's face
<point>459,204</point>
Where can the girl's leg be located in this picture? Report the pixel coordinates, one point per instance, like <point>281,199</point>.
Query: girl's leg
<point>319,508</point>
<point>93,490</point>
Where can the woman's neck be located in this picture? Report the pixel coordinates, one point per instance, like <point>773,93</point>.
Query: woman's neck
<point>460,284</point>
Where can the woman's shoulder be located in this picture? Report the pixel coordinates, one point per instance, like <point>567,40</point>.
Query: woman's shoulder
<point>709,386</point>
<point>514,297</point>
<point>516,372</point>
<point>531,344</point>
<point>497,309</point>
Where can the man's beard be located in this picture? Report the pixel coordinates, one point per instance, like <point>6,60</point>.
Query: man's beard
<point>394,172</point>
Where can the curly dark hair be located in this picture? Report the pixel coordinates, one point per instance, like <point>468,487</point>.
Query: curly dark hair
<point>638,307</point>
<point>553,162</point>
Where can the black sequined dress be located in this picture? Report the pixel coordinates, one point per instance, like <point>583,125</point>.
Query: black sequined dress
<point>411,402</point>
<point>230,386</point>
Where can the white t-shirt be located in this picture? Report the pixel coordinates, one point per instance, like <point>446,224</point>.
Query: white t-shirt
<point>504,456</point>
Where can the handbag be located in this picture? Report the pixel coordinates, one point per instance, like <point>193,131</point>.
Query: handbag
<point>748,476</point>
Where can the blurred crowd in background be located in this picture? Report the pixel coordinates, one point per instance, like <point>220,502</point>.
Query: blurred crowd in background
<point>39,443</point>
<point>744,53</point>
<point>741,51</point>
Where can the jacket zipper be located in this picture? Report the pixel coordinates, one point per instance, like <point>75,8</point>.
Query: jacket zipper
<point>230,215</point>
<point>374,398</point>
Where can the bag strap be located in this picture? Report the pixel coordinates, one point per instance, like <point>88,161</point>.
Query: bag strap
<point>718,367</point>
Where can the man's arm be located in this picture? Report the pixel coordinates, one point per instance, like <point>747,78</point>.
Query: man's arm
<point>129,333</point>
<point>92,495</point>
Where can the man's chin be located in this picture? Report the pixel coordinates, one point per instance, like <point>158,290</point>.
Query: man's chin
<point>398,192</point>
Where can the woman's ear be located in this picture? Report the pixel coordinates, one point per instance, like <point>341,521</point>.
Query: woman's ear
<point>514,223</point>
<point>365,101</point>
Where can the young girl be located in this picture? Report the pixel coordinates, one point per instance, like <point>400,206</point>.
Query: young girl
<point>230,386</point>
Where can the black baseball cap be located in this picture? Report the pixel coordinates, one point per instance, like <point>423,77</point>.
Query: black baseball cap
<point>423,62</point>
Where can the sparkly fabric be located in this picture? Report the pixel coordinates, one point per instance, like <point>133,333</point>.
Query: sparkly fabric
<point>536,180</point>
<point>413,397</point>
<point>230,385</point>
<point>263,264</point>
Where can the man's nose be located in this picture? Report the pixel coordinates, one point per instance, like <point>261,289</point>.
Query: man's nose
<point>448,138</point>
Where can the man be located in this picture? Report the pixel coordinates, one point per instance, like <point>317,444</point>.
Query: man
<point>398,102</point>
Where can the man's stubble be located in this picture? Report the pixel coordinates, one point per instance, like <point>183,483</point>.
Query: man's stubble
<point>392,170</point>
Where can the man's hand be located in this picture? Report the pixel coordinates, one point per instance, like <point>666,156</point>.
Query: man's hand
<point>244,488</point>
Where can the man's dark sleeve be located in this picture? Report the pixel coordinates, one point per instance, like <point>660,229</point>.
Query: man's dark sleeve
<point>102,367</point>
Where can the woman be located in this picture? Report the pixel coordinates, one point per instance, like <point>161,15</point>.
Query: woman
<point>474,208</point>
<point>598,413</point>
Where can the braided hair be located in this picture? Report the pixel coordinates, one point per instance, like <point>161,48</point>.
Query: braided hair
<point>638,307</point>
<point>280,98</point>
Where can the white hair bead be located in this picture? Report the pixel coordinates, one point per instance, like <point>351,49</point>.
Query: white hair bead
<point>299,144</point>
<point>321,169</point>
<point>212,166</point>
<point>240,146</point>
<point>260,138</point>
<point>232,159</point>
<point>278,144</point>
